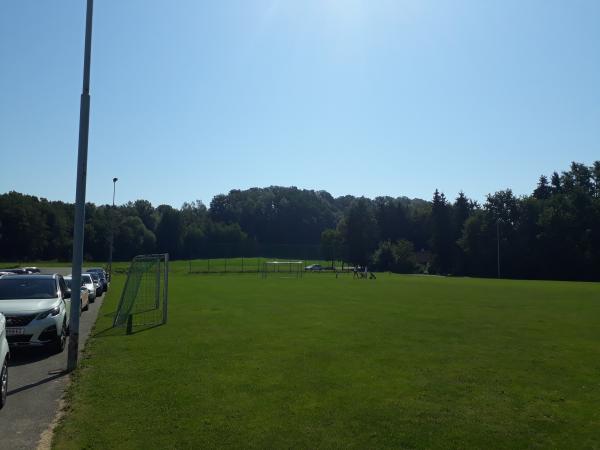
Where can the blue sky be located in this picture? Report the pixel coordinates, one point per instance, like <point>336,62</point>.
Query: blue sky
<point>193,98</point>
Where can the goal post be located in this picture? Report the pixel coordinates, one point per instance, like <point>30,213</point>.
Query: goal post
<point>285,269</point>
<point>145,296</point>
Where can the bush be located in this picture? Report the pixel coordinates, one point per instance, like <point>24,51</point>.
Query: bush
<point>396,257</point>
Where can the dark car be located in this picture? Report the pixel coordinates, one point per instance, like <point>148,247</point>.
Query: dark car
<point>15,271</point>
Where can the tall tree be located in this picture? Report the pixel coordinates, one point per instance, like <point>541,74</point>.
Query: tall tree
<point>359,231</point>
<point>169,231</point>
<point>543,191</point>
<point>442,242</point>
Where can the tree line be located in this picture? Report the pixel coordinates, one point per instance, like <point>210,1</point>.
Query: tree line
<point>553,233</point>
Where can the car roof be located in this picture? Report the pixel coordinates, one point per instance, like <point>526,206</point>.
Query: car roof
<point>35,276</point>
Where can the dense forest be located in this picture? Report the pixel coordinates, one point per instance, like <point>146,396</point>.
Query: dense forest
<point>553,233</point>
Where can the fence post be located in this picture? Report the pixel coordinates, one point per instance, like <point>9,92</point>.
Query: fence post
<point>242,264</point>
<point>129,323</point>
<point>208,264</point>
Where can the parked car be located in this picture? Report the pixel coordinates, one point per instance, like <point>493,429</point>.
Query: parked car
<point>314,267</point>
<point>37,310</point>
<point>4,356</point>
<point>31,269</point>
<point>15,271</point>
<point>85,294</point>
<point>97,283</point>
<point>102,275</point>
<point>88,282</point>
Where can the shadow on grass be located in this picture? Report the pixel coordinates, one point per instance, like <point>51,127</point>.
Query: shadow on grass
<point>122,330</point>
<point>142,328</point>
<point>110,332</point>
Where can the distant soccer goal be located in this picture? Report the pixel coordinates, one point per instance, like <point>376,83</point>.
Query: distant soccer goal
<point>284,269</point>
<point>145,297</point>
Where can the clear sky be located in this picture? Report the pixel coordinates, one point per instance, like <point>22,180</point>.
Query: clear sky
<point>193,98</point>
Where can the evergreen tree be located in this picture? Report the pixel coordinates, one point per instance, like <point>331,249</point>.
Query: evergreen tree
<point>543,191</point>
<point>442,242</point>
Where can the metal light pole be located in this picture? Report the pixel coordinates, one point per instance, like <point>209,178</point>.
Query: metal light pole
<point>82,153</point>
<point>112,230</point>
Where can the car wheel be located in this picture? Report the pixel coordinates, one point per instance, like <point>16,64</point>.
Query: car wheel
<point>4,383</point>
<point>61,340</point>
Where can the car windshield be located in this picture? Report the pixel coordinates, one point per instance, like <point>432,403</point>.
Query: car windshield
<point>27,288</point>
<point>86,278</point>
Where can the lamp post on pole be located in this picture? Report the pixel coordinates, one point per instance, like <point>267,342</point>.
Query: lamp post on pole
<point>82,153</point>
<point>112,230</point>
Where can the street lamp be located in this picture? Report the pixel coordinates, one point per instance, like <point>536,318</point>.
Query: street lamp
<point>114,188</point>
<point>112,230</point>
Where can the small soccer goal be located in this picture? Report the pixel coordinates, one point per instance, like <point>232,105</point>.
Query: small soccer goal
<point>144,299</point>
<point>283,269</point>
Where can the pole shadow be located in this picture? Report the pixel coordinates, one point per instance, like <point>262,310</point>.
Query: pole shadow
<point>37,383</point>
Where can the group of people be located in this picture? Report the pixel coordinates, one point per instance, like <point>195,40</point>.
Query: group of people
<point>362,272</point>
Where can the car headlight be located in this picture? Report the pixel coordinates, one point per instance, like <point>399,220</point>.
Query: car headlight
<point>52,312</point>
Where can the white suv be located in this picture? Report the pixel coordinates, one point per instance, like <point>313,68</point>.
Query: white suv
<point>37,309</point>
<point>4,354</point>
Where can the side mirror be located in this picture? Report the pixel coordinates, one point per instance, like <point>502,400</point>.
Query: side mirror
<point>67,293</point>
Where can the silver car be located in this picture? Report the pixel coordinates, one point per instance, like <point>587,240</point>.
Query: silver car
<point>85,294</point>
<point>37,310</point>
<point>4,355</point>
<point>87,283</point>
<point>97,283</point>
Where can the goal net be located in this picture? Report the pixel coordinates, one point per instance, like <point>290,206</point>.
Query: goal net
<point>144,298</point>
<point>285,269</point>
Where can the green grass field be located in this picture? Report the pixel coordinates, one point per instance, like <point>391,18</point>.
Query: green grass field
<point>320,362</point>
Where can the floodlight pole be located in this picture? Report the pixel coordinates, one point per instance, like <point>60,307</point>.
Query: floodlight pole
<point>82,153</point>
<point>112,230</point>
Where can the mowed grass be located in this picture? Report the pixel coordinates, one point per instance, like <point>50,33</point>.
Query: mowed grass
<point>320,362</point>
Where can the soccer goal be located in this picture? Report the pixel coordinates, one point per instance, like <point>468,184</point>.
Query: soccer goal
<point>145,297</point>
<point>283,269</point>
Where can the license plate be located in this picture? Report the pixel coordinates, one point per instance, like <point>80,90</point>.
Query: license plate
<point>15,331</point>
